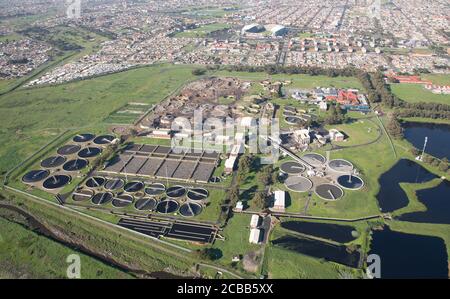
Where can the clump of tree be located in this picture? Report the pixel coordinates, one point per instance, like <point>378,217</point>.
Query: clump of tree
<point>394,127</point>
<point>265,176</point>
<point>336,115</point>
<point>199,72</point>
<point>233,195</point>
<point>261,200</point>
<point>443,165</point>
<point>209,254</point>
<point>245,163</point>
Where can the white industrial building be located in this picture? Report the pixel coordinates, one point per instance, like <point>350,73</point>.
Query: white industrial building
<point>255,236</point>
<point>254,223</point>
<point>335,135</point>
<point>302,137</point>
<point>279,203</point>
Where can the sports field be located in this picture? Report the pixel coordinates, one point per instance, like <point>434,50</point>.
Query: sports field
<point>415,93</point>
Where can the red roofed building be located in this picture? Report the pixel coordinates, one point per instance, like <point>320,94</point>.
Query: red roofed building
<point>347,98</point>
<point>409,79</point>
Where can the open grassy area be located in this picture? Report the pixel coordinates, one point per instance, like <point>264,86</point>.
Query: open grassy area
<point>126,248</point>
<point>202,31</point>
<point>29,118</point>
<point>25,254</point>
<point>357,132</point>
<point>236,242</point>
<point>439,79</point>
<point>299,80</point>
<point>415,93</point>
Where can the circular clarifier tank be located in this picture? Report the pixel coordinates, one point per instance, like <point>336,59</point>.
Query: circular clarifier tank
<point>56,182</point>
<point>298,184</point>
<point>82,195</point>
<point>146,204</point>
<point>190,209</point>
<point>292,168</point>
<point>89,152</point>
<point>104,139</point>
<point>314,159</point>
<point>176,192</point>
<point>114,184</point>
<point>75,165</point>
<point>122,201</point>
<point>95,182</point>
<point>155,189</point>
<point>101,198</point>
<point>197,194</point>
<point>351,182</point>
<point>215,180</point>
<point>53,162</point>
<point>329,192</point>
<point>133,187</point>
<point>69,149</point>
<point>340,165</point>
<point>82,138</point>
<point>35,176</point>
<point>294,120</point>
<point>167,206</point>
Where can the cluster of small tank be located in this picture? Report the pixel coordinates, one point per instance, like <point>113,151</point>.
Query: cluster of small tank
<point>56,171</point>
<point>143,196</point>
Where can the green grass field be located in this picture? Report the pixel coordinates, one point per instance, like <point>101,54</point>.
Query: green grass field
<point>202,31</point>
<point>439,79</point>
<point>298,81</point>
<point>359,132</point>
<point>415,93</point>
<point>25,254</point>
<point>29,118</point>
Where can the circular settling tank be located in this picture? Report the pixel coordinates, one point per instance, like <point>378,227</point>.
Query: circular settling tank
<point>35,176</point>
<point>167,206</point>
<point>155,189</point>
<point>104,139</point>
<point>95,182</point>
<point>56,182</point>
<point>89,152</point>
<point>314,159</point>
<point>329,192</point>
<point>82,138</point>
<point>215,180</point>
<point>133,187</point>
<point>176,192</point>
<point>298,184</point>
<point>146,204</point>
<point>190,209</point>
<point>122,201</point>
<point>114,184</point>
<point>294,120</point>
<point>351,182</point>
<point>82,195</point>
<point>197,194</point>
<point>292,167</point>
<point>340,165</point>
<point>69,149</point>
<point>53,162</point>
<point>75,165</point>
<point>101,198</point>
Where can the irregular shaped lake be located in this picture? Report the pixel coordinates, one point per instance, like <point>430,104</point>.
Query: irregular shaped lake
<point>409,256</point>
<point>438,137</point>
